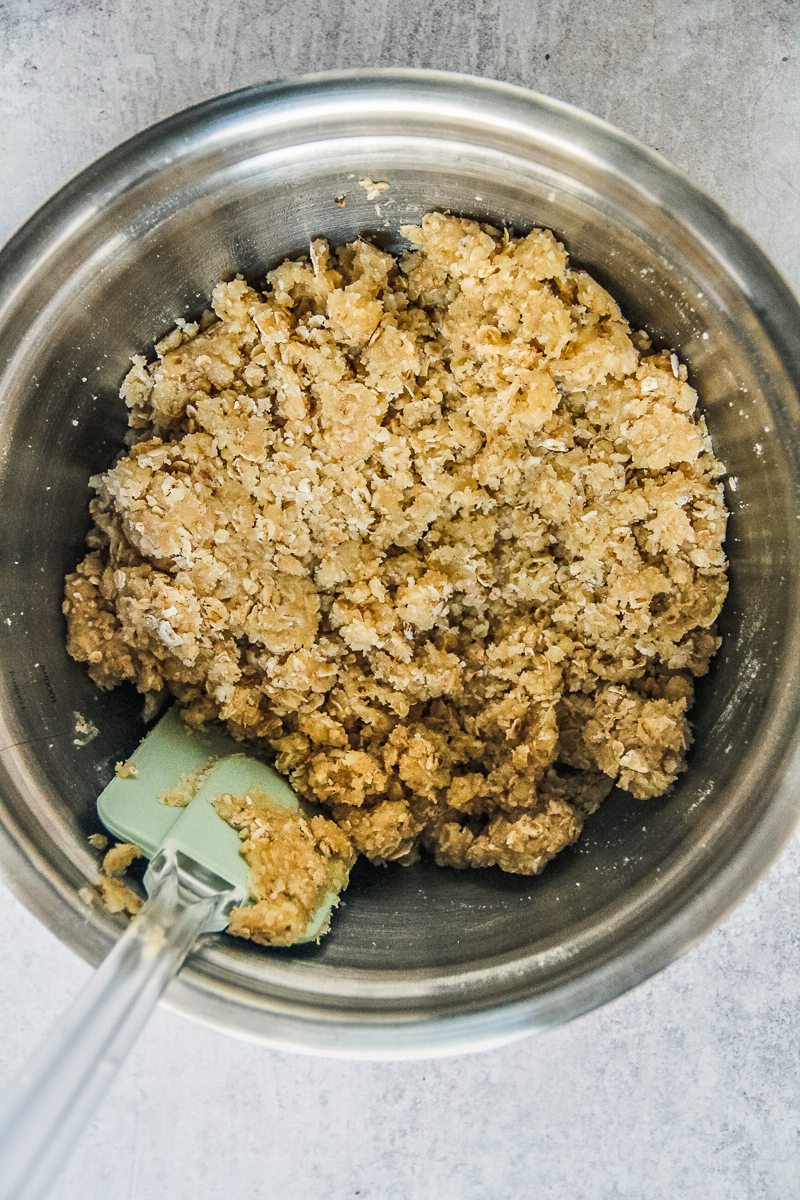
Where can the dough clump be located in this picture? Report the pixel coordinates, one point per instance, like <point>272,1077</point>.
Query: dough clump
<point>441,531</point>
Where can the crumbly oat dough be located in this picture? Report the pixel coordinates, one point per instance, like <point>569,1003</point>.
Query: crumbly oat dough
<point>117,897</point>
<point>114,894</point>
<point>443,532</point>
<point>295,861</point>
<point>120,857</point>
<point>187,786</point>
<point>126,770</point>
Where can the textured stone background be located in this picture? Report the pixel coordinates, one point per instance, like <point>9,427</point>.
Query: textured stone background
<point>689,1086</point>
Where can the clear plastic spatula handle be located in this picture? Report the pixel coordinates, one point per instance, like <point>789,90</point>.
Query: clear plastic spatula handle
<point>60,1088</point>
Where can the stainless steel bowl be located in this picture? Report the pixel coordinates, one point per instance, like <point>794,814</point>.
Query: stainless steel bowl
<point>422,960</point>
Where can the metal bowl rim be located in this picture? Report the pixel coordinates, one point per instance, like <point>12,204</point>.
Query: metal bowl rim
<point>777,312</point>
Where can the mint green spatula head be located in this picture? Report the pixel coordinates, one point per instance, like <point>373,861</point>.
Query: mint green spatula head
<point>132,809</point>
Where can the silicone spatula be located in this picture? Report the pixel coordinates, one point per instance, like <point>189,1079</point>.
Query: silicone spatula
<point>195,876</point>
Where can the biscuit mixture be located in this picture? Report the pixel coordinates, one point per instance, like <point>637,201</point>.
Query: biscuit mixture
<point>442,532</point>
<point>296,862</point>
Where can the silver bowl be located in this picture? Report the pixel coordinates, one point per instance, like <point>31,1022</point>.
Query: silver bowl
<point>422,960</point>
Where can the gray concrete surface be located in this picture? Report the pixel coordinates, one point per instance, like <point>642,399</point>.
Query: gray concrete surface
<point>686,1088</point>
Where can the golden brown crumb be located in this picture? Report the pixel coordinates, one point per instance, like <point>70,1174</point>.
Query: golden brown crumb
<point>295,863</point>
<point>117,897</point>
<point>187,786</point>
<point>442,532</point>
<point>98,841</point>
<point>340,201</point>
<point>374,187</point>
<point>126,770</point>
<point>120,857</point>
<point>85,730</point>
